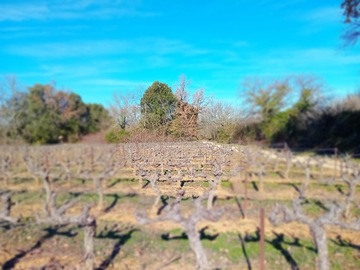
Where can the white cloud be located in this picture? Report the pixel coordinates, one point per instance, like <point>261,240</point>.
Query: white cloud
<point>81,9</point>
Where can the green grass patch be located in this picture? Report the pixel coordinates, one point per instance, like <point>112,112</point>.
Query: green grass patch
<point>25,196</point>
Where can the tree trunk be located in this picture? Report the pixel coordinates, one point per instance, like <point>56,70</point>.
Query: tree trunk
<point>153,183</point>
<point>305,183</point>
<point>89,233</point>
<point>48,193</point>
<point>319,235</point>
<point>195,244</point>
<point>210,199</point>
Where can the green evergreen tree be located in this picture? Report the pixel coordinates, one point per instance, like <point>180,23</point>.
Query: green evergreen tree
<point>157,105</point>
<point>44,114</point>
<point>99,118</point>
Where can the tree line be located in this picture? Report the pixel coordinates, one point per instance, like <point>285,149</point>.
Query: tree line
<point>295,110</point>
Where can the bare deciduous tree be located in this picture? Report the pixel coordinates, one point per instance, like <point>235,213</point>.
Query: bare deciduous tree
<point>218,118</point>
<point>173,212</point>
<point>102,166</point>
<point>126,110</point>
<point>181,92</point>
<point>265,99</point>
<point>40,168</point>
<point>10,95</point>
<point>282,214</point>
<point>217,173</point>
<point>350,196</point>
<point>56,215</point>
<point>306,166</point>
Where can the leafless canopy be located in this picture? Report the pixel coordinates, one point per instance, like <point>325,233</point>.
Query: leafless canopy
<point>351,12</point>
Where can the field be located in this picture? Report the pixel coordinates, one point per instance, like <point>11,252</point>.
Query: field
<point>145,206</point>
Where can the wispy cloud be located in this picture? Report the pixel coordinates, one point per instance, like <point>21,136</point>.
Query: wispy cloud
<point>54,71</point>
<point>310,57</point>
<point>280,5</point>
<point>114,82</point>
<point>66,10</point>
<point>331,14</point>
<point>21,12</point>
<point>145,46</point>
<point>69,49</point>
<point>315,21</point>
<point>8,34</point>
<point>323,61</point>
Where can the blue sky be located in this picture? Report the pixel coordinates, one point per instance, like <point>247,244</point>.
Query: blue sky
<point>100,47</point>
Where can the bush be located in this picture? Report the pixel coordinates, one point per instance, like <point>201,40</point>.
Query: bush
<point>248,132</point>
<point>116,136</point>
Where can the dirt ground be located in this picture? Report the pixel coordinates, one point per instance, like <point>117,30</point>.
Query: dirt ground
<point>121,243</point>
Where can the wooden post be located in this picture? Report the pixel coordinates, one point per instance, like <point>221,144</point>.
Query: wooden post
<point>124,156</point>
<point>245,191</point>
<point>262,240</point>
<point>335,161</point>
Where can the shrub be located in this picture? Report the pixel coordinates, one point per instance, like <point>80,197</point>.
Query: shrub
<point>116,136</point>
